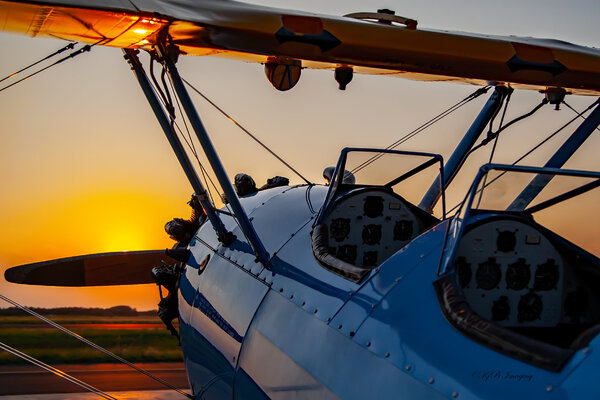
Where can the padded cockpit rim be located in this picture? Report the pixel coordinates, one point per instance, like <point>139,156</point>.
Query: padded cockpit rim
<point>460,315</point>
<point>320,248</point>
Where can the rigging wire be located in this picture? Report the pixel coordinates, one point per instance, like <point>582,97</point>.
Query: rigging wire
<point>246,131</point>
<point>500,126</point>
<point>192,147</point>
<point>421,128</point>
<point>67,47</point>
<point>553,134</point>
<point>492,135</point>
<point>167,103</point>
<point>94,345</point>
<point>168,99</point>
<point>496,136</point>
<point>576,112</point>
<point>56,371</point>
<point>82,50</point>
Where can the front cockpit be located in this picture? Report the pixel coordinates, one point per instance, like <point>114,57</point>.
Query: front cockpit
<point>362,225</point>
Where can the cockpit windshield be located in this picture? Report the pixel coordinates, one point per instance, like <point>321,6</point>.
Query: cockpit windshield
<point>564,204</point>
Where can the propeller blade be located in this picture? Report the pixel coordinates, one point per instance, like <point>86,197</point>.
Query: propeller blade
<point>105,269</point>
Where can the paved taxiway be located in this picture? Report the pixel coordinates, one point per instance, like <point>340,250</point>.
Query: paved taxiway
<point>21,381</point>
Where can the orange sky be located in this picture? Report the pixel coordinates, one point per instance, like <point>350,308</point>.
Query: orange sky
<point>85,167</point>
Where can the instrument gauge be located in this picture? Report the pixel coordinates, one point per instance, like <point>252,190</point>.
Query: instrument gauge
<point>373,207</point>
<point>340,229</point>
<point>488,274</point>
<point>347,253</point>
<point>506,241</point>
<point>546,276</point>
<point>530,307</point>
<point>371,234</point>
<point>403,230</point>
<point>463,269</point>
<point>518,275</point>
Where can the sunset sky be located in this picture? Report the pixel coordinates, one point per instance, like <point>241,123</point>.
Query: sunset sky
<point>85,168</point>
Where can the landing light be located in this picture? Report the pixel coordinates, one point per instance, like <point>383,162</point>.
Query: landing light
<point>283,73</point>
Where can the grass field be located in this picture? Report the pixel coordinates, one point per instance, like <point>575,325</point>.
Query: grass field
<point>149,343</point>
<point>79,319</point>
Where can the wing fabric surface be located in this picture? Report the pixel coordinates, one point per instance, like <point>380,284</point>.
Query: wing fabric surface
<point>256,33</point>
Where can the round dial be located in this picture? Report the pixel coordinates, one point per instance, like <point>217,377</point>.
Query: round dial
<point>403,230</point>
<point>488,274</point>
<point>518,275</point>
<point>506,241</point>
<point>530,307</point>
<point>340,228</point>
<point>347,253</point>
<point>546,276</point>
<point>371,234</point>
<point>373,207</point>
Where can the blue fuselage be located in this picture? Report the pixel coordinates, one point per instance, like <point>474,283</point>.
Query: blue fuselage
<point>298,330</point>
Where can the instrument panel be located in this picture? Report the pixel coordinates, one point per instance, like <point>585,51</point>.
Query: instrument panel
<point>366,228</point>
<point>512,275</point>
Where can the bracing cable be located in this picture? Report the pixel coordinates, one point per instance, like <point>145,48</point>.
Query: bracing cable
<point>56,371</point>
<point>500,126</point>
<point>82,50</point>
<point>553,134</point>
<point>166,101</point>
<point>247,132</point>
<point>421,128</point>
<point>577,112</point>
<point>192,147</point>
<point>67,47</point>
<point>492,135</point>
<point>496,136</point>
<point>94,345</point>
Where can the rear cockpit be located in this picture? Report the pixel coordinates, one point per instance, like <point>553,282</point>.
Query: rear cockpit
<point>362,225</point>
<point>518,287</point>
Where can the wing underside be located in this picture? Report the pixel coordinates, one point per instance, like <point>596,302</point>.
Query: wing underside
<point>257,34</point>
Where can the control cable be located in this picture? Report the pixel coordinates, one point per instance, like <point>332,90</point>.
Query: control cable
<point>82,50</point>
<point>94,345</point>
<point>67,47</point>
<point>56,371</point>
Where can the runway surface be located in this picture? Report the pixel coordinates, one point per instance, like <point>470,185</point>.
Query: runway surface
<point>18,381</point>
<point>131,395</point>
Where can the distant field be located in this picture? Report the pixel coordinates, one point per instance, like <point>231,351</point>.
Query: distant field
<point>80,319</point>
<point>142,339</point>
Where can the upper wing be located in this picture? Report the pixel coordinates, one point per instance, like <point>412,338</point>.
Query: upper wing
<point>230,28</point>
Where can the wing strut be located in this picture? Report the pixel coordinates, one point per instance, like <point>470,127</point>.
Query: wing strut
<point>457,159</point>
<point>211,154</point>
<point>559,158</point>
<point>224,236</point>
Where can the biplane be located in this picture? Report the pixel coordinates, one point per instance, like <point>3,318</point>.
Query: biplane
<point>357,288</point>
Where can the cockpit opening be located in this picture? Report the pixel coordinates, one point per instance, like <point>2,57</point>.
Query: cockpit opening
<point>518,287</point>
<point>361,225</point>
